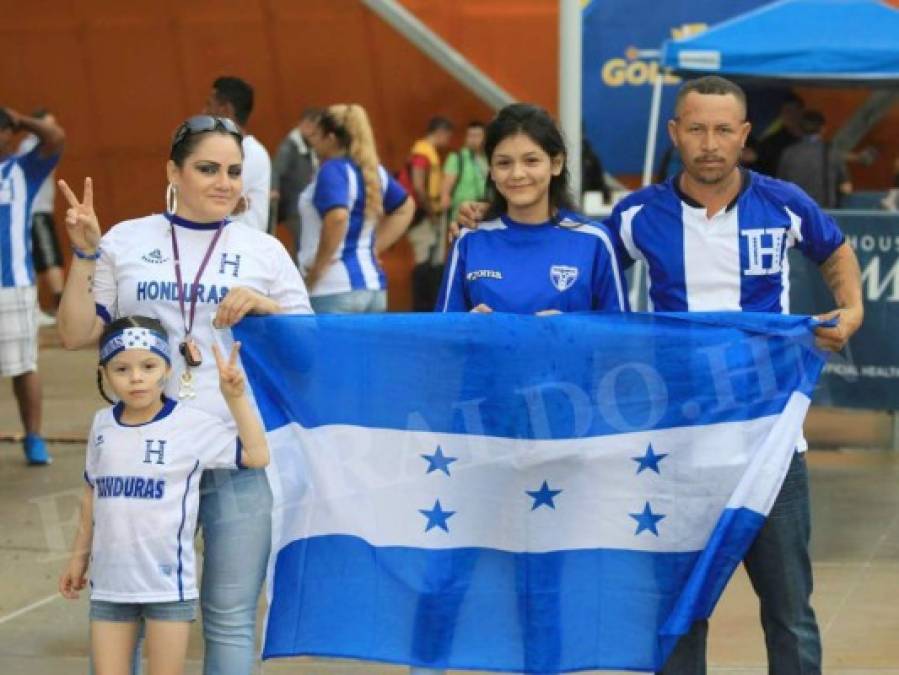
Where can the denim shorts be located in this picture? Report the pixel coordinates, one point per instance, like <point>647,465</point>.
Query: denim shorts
<point>127,612</point>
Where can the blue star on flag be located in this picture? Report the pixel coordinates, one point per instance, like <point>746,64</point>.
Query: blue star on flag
<point>650,460</point>
<point>647,520</point>
<point>439,462</point>
<point>543,496</point>
<point>437,517</point>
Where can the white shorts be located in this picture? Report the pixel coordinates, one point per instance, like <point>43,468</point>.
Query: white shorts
<point>18,330</point>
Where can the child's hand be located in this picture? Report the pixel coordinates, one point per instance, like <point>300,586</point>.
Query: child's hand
<point>74,578</point>
<point>231,380</point>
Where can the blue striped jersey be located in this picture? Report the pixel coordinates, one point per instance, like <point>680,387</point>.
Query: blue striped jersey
<point>21,177</point>
<point>567,264</point>
<point>338,184</point>
<point>734,261</point>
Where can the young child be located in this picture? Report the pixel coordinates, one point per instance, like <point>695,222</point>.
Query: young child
<point>145,455</point>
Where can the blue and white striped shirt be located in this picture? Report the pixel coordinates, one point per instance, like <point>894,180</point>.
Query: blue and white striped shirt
<point>21,177</point>
<point>734,261</point>
<point>339,184</point>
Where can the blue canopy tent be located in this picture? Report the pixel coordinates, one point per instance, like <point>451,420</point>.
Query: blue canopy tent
<point>838,42</point>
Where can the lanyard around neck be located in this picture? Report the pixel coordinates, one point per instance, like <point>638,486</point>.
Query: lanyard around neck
<point>189,323</point>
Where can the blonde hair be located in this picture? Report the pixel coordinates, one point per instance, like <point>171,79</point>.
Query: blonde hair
<point>359,140</point>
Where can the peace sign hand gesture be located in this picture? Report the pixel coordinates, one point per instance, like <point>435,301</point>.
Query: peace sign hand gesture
<point>81,221</point>
<point>231,380</point>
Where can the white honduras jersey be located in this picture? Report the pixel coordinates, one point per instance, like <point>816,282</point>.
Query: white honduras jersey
<point>20,179</point>
<point>338,184</point>
<point>257,183</point>
<point>136,275</point>
<point>146,483</point>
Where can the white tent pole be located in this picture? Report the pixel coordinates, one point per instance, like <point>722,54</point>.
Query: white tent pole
<point>654,112</point>
<point>570,111</point>
<point>451,60</point>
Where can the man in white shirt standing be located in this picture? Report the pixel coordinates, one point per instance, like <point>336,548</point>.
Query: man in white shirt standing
<point>231,97</point>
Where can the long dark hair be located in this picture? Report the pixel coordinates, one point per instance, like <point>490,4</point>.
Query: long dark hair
<point>118,325</point>
<point>536,124</point>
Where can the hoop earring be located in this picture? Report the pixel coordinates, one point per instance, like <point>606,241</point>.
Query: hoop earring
<point>171,198</point>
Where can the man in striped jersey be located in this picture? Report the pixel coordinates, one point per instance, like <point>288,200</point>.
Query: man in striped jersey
<point>715,238</point>
<point>20,178</point>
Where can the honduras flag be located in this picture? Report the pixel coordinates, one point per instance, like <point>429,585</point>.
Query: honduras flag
<point>517,493</point>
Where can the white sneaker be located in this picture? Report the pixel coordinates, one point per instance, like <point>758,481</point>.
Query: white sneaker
<point>45,320</point>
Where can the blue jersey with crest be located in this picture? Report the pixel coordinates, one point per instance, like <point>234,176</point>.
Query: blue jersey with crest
<point>566,264</point>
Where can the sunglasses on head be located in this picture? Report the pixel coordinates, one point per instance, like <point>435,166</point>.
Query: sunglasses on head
<point>200,124</point>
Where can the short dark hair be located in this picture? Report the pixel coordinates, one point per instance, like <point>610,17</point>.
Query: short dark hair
<point>312,114</point>
<point>238,93</point>
<point>710,84</point>
<point>811,122</point>
<point>535,123</point>
<point>439,123</point>
<point>792,98</point>
<point>5,119</point>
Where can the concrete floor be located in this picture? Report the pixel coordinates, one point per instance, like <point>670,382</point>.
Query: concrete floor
<point>855,550</point>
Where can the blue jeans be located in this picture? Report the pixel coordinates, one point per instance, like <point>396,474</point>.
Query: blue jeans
<point>235,514</point>
<point>780,570</point>
<point>351,302</point>
<point>132,612</point>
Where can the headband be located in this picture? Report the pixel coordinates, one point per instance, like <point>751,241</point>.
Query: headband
<point>135,338</point>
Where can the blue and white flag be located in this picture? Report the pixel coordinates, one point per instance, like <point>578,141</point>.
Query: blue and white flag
<point>516,493</point>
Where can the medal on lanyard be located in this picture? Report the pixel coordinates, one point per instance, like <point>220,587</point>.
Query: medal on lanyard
<point>188,348</point>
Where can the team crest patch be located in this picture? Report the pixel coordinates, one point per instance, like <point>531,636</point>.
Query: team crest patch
<point>563,276</point>
<point>155,256</point>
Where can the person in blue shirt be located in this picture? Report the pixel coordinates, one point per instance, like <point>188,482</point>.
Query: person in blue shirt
<point>350,212</point>
<point>714,238</point>
<point>533,254</point>
<point>21,177</point>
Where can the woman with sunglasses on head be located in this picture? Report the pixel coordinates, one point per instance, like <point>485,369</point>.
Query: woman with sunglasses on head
<point>350,212</point>
<point>188,268</point>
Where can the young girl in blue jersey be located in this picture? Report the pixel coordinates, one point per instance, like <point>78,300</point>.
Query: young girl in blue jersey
<point>351,211</point>
<point>145,456</point>
<point>532,254</point>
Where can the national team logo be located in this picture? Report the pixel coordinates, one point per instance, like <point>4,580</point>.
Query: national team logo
<point>152,448</point>
<point>154,257</point>
<point>563,276</point>
<point>230,263</point>
<point>764,251</point>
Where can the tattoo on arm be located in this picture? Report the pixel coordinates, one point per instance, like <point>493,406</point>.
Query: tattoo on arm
<point>842,276</point>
